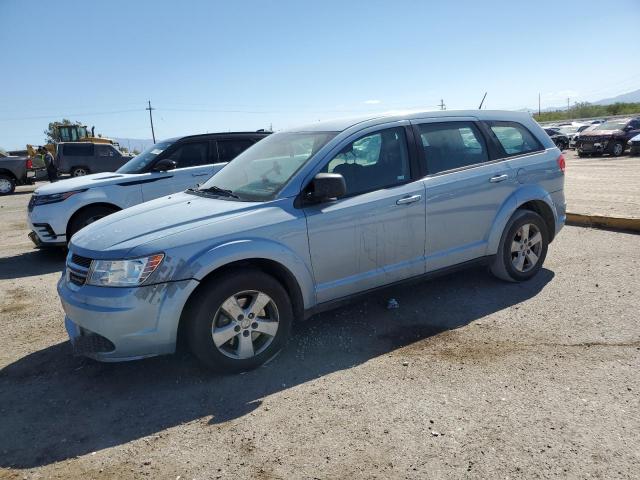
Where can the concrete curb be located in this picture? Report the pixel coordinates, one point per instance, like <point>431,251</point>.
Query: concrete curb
<point>599,221</point>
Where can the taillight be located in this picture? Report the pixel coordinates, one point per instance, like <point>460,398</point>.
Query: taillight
<point>29,164</point>
<point>561,163</point>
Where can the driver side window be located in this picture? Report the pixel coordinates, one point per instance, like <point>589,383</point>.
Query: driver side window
<point>190,155</point>
<point>375,161</point>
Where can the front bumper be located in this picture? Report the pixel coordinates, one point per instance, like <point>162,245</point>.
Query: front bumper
<point>47,225</point>
<point>116,324</point>
<point>634,149</point>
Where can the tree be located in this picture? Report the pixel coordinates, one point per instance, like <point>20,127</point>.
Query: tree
<point>51,134</point>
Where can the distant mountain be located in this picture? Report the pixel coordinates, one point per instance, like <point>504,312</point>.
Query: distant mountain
<point>630,97</point>
<point>134,143</point>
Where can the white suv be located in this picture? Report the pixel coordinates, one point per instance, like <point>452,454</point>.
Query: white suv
<point>60,209</point>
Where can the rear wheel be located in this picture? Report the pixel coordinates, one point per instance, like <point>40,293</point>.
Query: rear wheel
<point>7,184</point>
<point>79,171</point>
<point>523,247</point>
<point>239,321</point>
<point>87,217</point>
<point>582,154</point>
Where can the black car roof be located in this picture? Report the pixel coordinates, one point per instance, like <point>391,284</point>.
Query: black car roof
<point>259,133</point>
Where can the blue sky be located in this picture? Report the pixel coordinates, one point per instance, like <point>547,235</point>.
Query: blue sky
<point>242,65</point>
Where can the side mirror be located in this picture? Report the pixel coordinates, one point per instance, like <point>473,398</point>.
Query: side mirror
<point>164,165</point>
<point>326,186</point>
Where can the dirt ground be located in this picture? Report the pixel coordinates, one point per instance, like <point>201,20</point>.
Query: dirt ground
<point>603,185</point>
<point>469,378</point>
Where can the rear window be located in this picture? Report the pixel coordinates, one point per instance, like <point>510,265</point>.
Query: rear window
<point>514,138</point>
<point>78,149</point>
<point>451,145</point>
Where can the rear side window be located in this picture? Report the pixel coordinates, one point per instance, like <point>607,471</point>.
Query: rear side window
<point>105,151</point>
<point>450,145</point>
<point>230,149</point>
<point>514,138</point>
<point>78,149</point>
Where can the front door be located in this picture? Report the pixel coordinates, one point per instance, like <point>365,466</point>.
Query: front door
<point>374,235</point>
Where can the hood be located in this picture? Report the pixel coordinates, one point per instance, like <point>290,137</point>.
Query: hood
<point>116,235</point>
<point>600,133</point>
<point>84,182</point>
<point>635,139</point>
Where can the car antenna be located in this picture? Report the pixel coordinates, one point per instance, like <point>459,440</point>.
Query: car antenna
<point>485,96</point>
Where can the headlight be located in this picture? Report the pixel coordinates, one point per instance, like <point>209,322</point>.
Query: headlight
<point>123,273</point>
<point>55,197</point>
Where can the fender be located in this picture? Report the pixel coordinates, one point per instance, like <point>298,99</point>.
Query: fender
<point>205,262</point>
<point>524,194</point>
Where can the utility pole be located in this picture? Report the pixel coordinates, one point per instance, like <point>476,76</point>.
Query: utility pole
<point>442,105</point>
<point>153,135</point>
<point>568,108</point>
<point>538,105</point>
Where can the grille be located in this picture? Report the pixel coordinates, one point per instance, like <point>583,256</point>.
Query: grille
<point>81,261</point>
<point>90,342</point>
<point>78,269</point>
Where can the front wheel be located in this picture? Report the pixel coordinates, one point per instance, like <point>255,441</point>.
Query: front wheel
<point>523,247</point>
<point>86,217</point>
<point>238,321</point>
<point>617,149</point>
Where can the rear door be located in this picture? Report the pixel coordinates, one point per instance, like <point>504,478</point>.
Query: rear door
<point>465,186</point>
<point>193,166</point>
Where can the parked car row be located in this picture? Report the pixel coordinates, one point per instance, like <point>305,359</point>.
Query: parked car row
<point>600,137</point>
<point>299,222</point>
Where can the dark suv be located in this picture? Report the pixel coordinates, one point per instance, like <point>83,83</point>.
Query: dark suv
<point>609,137</point>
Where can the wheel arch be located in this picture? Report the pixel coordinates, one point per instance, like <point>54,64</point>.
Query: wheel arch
<point>4,171</point>
<point>269,266</point>
<point>531,197</point>
<point>84,208</point>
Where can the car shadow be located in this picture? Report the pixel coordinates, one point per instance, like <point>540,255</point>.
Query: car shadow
<point>55,406</point>
<point>32,263</point>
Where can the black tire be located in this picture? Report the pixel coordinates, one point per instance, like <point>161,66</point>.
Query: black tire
<point>8,184</point>
<point>617,149</point>
<point>582,154</point>
<point>86,217</point>
<point>206,307</point>
<point>79,171</point>
<point>503,265</point>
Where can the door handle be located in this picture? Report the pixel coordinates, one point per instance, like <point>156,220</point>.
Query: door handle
<point>499,178</point>
<point>407,200</point>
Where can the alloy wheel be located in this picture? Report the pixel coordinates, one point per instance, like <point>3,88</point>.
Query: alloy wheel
<point>5,185</point>
<point>617,149</point>
<point>526,246</point>
<point>79,172</point>
<point>245,324</point>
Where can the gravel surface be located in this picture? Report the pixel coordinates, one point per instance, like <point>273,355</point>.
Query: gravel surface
<point>603,185</point>
<point>469,378</point>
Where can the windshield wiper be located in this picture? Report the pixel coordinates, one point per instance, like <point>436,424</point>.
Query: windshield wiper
<point>219,191</point>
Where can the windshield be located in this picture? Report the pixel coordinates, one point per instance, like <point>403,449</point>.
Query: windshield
<point>141,161</point>
<point>611,126</point>
<point>261,171</point>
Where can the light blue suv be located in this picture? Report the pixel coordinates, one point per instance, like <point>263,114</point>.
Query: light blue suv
<point>308,218</point>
